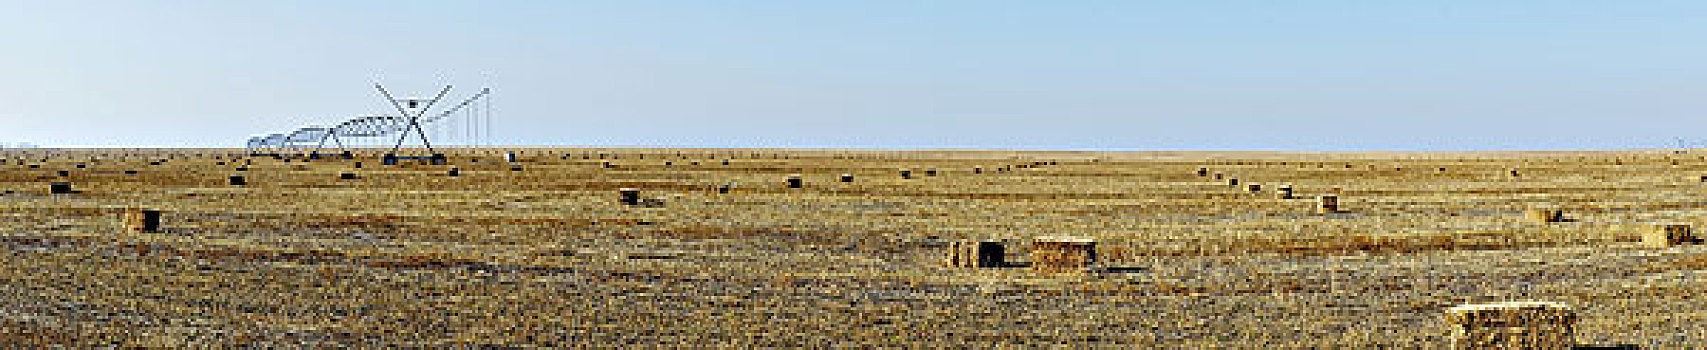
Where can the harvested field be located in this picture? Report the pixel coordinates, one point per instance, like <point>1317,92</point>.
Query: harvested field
<point>549,255</point>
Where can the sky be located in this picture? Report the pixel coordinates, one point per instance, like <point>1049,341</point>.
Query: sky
<point>1122,75</point>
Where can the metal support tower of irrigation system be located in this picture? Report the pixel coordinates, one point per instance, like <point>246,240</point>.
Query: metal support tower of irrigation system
<point>414,119</point>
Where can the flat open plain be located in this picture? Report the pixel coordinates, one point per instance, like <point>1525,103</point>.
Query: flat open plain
<point>409,255</point>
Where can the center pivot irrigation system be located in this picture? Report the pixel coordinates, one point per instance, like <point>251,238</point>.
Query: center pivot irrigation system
<point>412,118</point>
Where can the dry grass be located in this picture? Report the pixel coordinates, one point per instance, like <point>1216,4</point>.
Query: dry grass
<point>406,255</point>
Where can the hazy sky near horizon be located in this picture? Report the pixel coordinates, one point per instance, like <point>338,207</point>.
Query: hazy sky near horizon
<point>1214,75</point>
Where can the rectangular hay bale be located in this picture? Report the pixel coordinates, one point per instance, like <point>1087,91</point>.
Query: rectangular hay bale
<point>1512,325</point>
<point>1062,254</point>
<point>977,254</point>
<point>1669,235</point>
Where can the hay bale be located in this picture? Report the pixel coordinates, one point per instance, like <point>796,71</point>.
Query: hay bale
<point>141,220</point>
<point>1254,188</point>
<point>1202,172</point>
<point>930,172</point>
<point>725,188</point>
<point>347,176</point>
<point>59,188</point>
<point>1513,325</point>
<point>1662,236</point>
<point>454,172</point>
<point>794,181</point>
<point>1233,182</point>
<point>978,170</point>
<point>1283,192</point>
<point>1545,215</point>
<point>906,173</point>
<point>237,180</point>
<point>977,254</point>
<point>629,196</point>
<point>1062,254</point>
<point>847,178</point>
<point>1327,204</point>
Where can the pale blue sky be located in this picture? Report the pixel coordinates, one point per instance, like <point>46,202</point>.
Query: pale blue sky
<point>1293,75</point>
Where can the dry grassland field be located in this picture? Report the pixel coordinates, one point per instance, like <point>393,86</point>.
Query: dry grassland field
<point>543,251</point>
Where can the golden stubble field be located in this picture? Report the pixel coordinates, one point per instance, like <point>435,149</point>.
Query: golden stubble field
<point>409,255</point>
